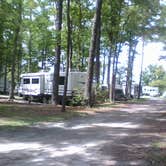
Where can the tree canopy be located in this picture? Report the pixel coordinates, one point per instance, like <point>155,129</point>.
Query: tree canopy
<point>155,75</point>
<point>29,37</point>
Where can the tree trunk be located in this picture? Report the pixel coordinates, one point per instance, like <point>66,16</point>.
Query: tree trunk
<point>109,72</point>
<point>113,82</point>
<point>68,56</point>
<point>79,35</point>
<point>43,55</point>
<point>15,52</point>
<point>19,61</point>
<point>92,52</point>
<point>115,69</point>
<point>98,53</point>
<point>12,85</point>
<point>30,46</point>
<point>104,68</point>
<point>140,79</point>
<point>131,56</point>
<point>128,76</point>
<point>71,47</point>
<point>5,78</point>
<point>58,24</point>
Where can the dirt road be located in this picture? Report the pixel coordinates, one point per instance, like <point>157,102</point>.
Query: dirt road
<point>128,136</point>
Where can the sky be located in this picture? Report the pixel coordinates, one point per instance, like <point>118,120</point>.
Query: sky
<point>152,52</point>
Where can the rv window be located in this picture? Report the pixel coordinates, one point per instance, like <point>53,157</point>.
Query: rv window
<point>61,80</point>
<point>26,81</point>
<point>35,80</point>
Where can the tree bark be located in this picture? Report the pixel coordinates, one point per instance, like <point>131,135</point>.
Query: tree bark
<point>140,79</point>
<point>68,56</point>
<point>15,51</point>
<point>98,53</point>
<point>114,73</point>
<point>58,26</point>
<point>5,78</point>
<point>30,46</point>
<point>104,68</point>
<point>131,56</point>
<point>109,72</point>
<point>92,51</point>
<point>128,76</point>
<point>113,82</point>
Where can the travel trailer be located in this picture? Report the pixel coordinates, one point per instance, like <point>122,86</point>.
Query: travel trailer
<point>150,91</point>
<point>39,85</point>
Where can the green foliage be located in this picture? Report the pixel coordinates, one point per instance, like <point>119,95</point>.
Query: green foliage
<point>155,76</point>
<point>159,31</point>
<point>157,155</point>
<point>159,83</point>
<point>101,95</point>
<point>77,99</point>
<point>123,22</point>
<point>81,16</point>
<point>153,73</point>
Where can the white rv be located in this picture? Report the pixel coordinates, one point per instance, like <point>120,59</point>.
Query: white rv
<point>39,85</point>
<point>150,91</point>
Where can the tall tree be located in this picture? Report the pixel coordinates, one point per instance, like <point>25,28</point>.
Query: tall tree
<point>140,77</point>
<point>58,26</point>
<point>139,15</point>
<point>68,55</point>
<point>113,29</point>
<point>97,62</point>
<point>92,51</point>
<point>129,74</point>
<point>18,12</point>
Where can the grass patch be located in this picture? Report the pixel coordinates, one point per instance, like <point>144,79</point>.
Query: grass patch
<point>137,101</point>
<point>157,155</point>
<point>119,103</point>
<point>25,115</point>
<point>156,158</point>
<point>160,145</point>
<point>107,104</point>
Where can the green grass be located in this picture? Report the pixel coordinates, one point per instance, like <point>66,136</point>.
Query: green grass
<point>18,116</point>
<point>137,101</point>
<point>117,103</point>
<point>157,155</point>
<point>159,145</point>
<point>107,104</point>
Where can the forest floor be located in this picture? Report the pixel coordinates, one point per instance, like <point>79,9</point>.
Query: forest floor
<point>118,135</point>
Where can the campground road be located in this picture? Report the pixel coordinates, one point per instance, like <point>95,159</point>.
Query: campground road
<point>122,137</point>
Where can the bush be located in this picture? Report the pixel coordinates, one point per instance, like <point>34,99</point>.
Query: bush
<point>101,95</point>
<point>77,99</point>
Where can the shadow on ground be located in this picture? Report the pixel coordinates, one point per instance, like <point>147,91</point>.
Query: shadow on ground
<point>133,135</point>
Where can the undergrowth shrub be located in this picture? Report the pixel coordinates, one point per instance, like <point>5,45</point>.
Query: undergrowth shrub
<point>77,99</point>
<point>101,95</point>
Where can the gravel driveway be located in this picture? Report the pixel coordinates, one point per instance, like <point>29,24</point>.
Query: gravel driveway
<point>123,137</point>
